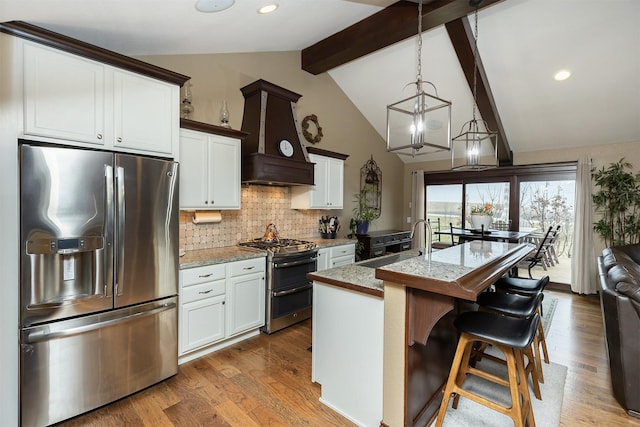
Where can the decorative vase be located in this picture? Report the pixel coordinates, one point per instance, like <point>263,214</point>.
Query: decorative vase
<point>478,221</point>
<point>362,227</point>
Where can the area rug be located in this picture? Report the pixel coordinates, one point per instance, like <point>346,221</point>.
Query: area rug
<point>549,305</point>
<point>546,411</point>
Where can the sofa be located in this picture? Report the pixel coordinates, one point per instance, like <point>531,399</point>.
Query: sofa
<point>619,270</point>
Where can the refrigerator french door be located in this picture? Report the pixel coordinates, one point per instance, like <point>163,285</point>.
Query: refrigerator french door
<point>99,251</point>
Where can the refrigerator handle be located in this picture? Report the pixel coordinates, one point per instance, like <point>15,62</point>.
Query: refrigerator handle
<point>108,229</point>
<point>120,221</point>
<point>41,334</point>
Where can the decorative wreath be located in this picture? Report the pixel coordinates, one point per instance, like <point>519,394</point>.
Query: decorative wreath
<point>305,132</point>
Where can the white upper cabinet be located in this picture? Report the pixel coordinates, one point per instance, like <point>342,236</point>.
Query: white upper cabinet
<point>63,96</point>
<point>209,171</point>
<point>85,102</point>
<point>328,191</point>
<point>145,113</point>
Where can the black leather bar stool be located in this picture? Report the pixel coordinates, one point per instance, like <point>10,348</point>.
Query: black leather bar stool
<point>519,306</point>
<point>522,286</point>
<point>512,336</point>
<point>529,287</point>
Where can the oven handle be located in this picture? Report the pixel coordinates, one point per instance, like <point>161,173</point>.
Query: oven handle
<point>294,290</point>
<point>294,263</point>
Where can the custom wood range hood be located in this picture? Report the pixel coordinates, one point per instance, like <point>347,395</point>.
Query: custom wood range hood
<point>273,153</point>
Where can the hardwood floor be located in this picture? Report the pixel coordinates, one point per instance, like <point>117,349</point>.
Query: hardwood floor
<point>266,381</point>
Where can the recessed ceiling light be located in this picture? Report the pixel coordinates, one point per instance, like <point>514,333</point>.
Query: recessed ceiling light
<point>268,8</point>
<point>209,6</point>
<point>562,75</point>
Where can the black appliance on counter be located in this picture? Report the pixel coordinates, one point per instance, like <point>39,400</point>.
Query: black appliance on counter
<point>289,293</point>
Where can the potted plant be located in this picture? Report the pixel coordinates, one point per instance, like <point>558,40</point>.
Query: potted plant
<point>363,214</point>
<point>481,216</point>
<point>617,200</point>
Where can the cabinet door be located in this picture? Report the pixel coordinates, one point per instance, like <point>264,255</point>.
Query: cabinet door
<point>319,193</point>
<point>245,296</point>
<point>145,115</point>
<point>323,259</point>
<point>342,255</point>
<point>194,170</point>
<point>63,96</point>
<point>201,323</point>
<point>335,183</point>
<point>224,182</point>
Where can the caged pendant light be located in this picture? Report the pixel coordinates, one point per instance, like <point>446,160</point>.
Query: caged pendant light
<point>476,148</point>
<point>420,124</point>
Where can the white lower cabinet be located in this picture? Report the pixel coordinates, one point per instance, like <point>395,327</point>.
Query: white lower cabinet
<point>246,294</point>
<point>218,303</point>
<point>336,256</point>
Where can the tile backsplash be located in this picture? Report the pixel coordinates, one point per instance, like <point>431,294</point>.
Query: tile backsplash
<point>261,205</point>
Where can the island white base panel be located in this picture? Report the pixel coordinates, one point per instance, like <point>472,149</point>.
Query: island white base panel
<point>347,334</point>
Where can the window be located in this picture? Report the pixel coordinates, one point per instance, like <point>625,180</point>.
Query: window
<point>526,198</point>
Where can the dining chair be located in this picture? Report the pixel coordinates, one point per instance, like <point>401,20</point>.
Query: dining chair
<point>538,258</point>
<point>501,225</point>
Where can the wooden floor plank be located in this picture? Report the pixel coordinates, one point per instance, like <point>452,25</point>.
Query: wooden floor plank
<point>266,381</point>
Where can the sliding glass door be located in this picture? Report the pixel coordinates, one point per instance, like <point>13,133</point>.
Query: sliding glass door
<point>523,198</point>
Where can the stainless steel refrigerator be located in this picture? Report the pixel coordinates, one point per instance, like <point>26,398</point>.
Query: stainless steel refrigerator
<point>99,274</point>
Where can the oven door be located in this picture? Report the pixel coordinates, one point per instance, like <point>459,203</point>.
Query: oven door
<point>290,293</point>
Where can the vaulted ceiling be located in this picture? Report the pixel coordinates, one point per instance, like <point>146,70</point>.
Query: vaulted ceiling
<point>367,48</point>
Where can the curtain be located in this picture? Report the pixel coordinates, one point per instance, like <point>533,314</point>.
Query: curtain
<point>583,260</point>
<point>417,207</point>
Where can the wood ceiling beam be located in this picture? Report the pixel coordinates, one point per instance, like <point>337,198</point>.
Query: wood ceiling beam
<point>463,41</point>
<point>391,25</point>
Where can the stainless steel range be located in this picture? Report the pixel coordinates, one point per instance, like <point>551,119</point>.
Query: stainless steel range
<point>289,292</point>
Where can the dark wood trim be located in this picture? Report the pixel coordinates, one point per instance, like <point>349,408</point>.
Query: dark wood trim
<point>463,41</point>
<point>68,44</point>
<point>326,153</point>
<point>391,25</point>
<point>271,89</point>
<point>524,172</point>
<point>212,129</point>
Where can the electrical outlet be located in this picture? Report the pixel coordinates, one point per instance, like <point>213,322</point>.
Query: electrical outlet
<point>408,220</point>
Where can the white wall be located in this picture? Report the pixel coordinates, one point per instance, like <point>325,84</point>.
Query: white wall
<point>9,223</point>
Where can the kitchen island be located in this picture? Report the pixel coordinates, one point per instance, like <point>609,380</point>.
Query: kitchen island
<point>382,348</point>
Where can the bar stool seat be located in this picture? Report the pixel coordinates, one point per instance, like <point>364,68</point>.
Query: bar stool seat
<point>522,286</point>
<point>510,304</point>
<point>529,287</point>
<point>512,336</point>
<point>519,306</point>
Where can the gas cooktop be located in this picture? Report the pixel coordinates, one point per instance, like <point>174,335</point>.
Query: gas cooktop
<point>280,245</point>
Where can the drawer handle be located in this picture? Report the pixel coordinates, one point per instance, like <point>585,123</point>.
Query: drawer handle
<point>205,275</point>
<point>205,292</point>
<point>249,268</point>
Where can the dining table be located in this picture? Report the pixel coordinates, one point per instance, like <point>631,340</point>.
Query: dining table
<point>465,234</point>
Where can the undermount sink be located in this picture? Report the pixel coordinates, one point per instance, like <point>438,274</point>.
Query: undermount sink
<point>386,260</point>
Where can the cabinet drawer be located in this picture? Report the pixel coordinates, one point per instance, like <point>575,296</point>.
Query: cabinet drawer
<point>342,260</point>
<point>203,290</point>
<point>378,251</point>
<point>193,276</point>
<point>337,251</point>
<point>396,238</point>
<point>377,240</point>
<point>239,268</point>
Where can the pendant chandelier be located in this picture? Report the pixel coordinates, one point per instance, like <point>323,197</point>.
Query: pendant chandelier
<point>476,148</point>
<point>420,124</point>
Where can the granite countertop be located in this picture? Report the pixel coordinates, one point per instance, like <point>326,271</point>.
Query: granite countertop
<point>459,271</point>
<point>359,277</point>
<point>325,243</point>
<point>202,257</point>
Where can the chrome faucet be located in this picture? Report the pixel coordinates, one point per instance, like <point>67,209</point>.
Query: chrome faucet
<point>429,237</point>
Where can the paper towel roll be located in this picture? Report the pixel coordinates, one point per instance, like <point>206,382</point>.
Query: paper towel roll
<point>206,217</point>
